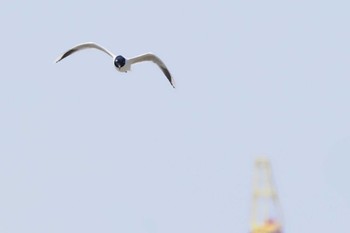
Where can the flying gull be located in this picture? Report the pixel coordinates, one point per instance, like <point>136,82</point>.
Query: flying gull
<point>121,63</point>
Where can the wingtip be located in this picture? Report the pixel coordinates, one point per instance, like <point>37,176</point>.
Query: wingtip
<point>172,82</point>
<point>57,60</point>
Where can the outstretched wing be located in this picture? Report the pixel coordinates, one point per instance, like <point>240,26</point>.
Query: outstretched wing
<point>155,59</point>
<point>79,47</point>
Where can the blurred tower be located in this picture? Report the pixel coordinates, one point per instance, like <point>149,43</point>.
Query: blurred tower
<point>266,215</point>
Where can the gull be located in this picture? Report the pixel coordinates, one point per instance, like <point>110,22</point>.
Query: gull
<point>121,63</point>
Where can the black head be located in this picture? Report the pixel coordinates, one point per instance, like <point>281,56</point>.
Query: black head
<point>119,61</point>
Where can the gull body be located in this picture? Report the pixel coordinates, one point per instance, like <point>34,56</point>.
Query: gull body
<point>121,63</point>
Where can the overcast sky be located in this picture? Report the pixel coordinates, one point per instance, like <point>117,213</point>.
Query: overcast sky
<point>84,148</point>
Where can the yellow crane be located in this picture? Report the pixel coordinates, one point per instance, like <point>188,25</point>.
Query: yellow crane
<point>266,215</point>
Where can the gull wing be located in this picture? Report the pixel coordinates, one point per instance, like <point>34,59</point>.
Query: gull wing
<point>87,45</point>
<point>155,59</point>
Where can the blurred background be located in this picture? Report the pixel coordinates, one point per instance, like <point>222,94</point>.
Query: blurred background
<point>84,148</point>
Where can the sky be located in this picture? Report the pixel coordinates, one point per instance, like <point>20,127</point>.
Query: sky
<point>84,148</point>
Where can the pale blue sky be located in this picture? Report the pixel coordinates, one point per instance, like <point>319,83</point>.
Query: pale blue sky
<point>84,148</point>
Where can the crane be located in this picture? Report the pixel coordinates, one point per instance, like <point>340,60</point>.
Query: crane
<point>266,214</point>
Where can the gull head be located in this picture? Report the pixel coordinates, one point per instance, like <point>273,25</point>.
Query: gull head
<point>119,61</point>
